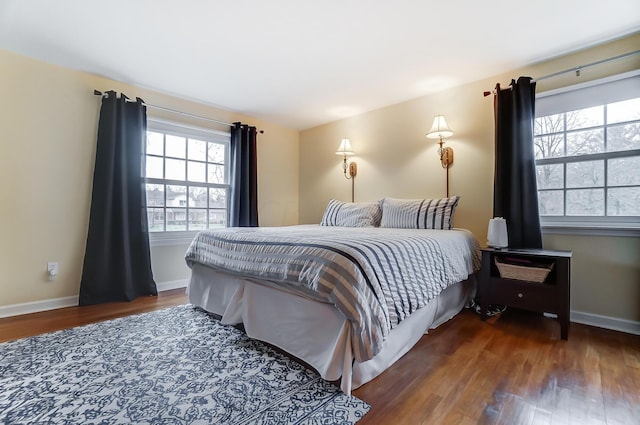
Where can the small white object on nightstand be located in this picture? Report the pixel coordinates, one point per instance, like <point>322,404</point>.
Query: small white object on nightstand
<point>497,234</point>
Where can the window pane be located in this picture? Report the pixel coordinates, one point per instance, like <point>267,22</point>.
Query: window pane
<point>623,201</point>
<point>217,198</point>
<point>197,171</point>
<point>587,160</point>
<point>155,219</point>
<point>585,202</point>
<point>584,118</point>
<point>190,182</point>
<point>549,146</point>
<point>217,218</point>
<point>549,124</point>
<point>623,171</point>
<point>627,110</point>
<point>216,174</point>
<point>198,197</point>
<point>585,142</point>
<point>550,176</point>
<point>176,219</point>
<point>197,219</point>
<point>176,146</point>
<point>155,195</point>
<point>175,169</point>
<point>154,167</point>
<point>623,137</point>
<point>216,153</point>
<point>197,150</point>
<point>155,143</point>
<point>551,202</point>
<point>585,174</point>
<point>176,196</point>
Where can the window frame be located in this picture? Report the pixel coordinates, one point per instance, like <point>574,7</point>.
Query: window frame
<point>178,237</point>
<point>589,225</point>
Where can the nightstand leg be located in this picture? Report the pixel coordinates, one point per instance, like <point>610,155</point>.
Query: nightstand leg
<point>483,311</point>
<point>564,326</point>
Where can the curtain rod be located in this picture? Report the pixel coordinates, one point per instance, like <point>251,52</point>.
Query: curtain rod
<point>162,108</point>
<point>577,69</point>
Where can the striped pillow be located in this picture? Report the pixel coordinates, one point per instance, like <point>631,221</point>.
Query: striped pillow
<point>338,213</point>
<point>418,213</point>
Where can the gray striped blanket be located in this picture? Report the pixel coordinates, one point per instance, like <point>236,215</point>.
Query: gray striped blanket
<point>375,276</point>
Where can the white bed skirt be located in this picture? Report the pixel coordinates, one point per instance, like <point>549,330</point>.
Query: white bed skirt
<point>315,332</point>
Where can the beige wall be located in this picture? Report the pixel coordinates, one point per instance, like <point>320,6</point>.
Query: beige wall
<point>48,122</point>
<point>395,159</point>
<point>605,274</point>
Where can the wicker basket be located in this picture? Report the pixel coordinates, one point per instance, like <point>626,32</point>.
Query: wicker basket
<point>531,273</point>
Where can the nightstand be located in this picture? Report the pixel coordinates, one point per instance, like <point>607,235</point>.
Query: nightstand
<point>549,296</point>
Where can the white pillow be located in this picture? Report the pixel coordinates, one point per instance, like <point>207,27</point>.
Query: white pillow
<point>418,213</point>
<point>344,214</point>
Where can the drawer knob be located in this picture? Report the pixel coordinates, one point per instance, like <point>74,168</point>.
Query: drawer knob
<point>520,295</point>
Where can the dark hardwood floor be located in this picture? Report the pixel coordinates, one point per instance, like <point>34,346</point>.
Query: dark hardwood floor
<point>512,369</point>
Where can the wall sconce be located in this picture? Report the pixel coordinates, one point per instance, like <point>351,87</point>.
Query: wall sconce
<point>345,150</point>
<point>440,130</point>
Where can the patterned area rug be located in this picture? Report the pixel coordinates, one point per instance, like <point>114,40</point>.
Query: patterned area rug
<point>174,366</point>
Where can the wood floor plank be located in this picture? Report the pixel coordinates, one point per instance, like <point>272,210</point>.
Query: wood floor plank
<point>48,321</point>
<point>541,417</point>
<point>511,369</point>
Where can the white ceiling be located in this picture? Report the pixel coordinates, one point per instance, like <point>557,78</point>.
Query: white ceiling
<point>303,63</point>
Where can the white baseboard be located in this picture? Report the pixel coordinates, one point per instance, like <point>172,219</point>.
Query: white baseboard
<point>622,325</point>
<point>56,303</point>
<point>37,306</point>
<point>172,284</point>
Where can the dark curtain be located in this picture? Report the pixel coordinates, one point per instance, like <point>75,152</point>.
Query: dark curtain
<point>117,264</point>
<point>515,194</point>
<point>243,205</point>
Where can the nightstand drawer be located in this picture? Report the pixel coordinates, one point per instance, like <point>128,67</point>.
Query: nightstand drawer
<point>529,296</point>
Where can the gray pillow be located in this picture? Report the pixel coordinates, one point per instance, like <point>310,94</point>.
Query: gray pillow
<point>346,214</point>
<point>418,213</point>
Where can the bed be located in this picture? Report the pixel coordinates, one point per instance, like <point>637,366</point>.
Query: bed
<point>349,301</point>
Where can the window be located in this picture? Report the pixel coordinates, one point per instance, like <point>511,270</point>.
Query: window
<point>587,150</point>
<point>187,179</point>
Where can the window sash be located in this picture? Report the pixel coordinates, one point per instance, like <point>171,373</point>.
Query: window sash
<point>187,211</point>
<point>601,93</point>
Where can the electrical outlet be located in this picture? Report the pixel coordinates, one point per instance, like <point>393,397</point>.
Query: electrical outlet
<point>52,270</point>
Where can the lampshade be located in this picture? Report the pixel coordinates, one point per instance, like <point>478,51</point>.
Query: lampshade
<point>345,148</point>
<point>439,129</point>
